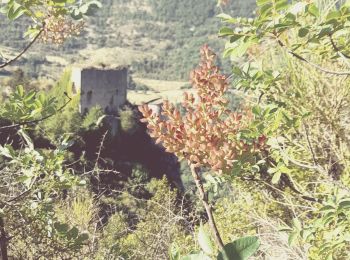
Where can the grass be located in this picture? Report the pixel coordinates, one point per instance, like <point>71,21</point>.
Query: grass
<point>171,90</point>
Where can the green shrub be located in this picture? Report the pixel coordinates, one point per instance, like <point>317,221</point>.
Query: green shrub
<point>91,119</point>
<point>128,121</point>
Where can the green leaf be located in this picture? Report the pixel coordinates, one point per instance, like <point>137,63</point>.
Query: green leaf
<point>313,10</point>
<point>174,253</point>
<point>82,238</point>
<point>61,228</point>
<point>204,241</point>
<point>227,18</point>
<point>27,139</point>
<point>303,32</point>
<point>16,10</point>
<point>240,249</point>
<point>276,177</point>
<point>5,151</point>
<point>345,204</point>
<point>262,2</point>
<point>333,15</point>
<point>72,233</point>
<point>20,90</point>
<point>235,37</point>
<point>297,224</point>
<point>224,16</point>
<point>281,5</point>
<point>225,31</point>
<point>292,238</point>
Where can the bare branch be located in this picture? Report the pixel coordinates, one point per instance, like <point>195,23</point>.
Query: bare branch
<point>301,58</point>
<point>335,47</point>
<point>23,51</point>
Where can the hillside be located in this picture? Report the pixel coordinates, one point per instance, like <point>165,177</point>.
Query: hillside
<point>160,39</point>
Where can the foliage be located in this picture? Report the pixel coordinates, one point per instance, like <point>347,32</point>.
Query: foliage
<point>68,121</point>
<point>160,224</point>
<point>24,107</point>
<point>292,109</point>
<point>92,118</point>
<point>208,134</point>
<point>284,150</point>
<point>49,17</point>
<point>128,120</point>
<point>168,39</point>
<point>239,249</point>
<point>33,180</point>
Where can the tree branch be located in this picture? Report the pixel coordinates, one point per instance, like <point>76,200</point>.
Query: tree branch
<point>335,47</point>
<point>23,51</point>
<point>301,58</point>
<point>204,198</point>
<point>3,240</point>
<point>40,119</point>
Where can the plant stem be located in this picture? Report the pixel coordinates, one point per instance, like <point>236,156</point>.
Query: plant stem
<point>204,198</point>
<point>3,240</point>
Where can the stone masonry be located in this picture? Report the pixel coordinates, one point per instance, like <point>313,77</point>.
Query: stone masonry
<point>105,87</point>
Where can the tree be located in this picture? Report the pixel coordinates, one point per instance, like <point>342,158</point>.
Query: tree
<point>208,134</point>
<point>281,129</point>
<point>32,180</point>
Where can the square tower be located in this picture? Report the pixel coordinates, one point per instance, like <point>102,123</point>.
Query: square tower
<point>105,87</point>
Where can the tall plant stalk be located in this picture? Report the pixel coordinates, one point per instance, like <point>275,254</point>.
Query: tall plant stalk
<point>208,208</point>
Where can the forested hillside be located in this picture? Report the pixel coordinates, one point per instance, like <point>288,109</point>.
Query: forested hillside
<point>159,38</point>
<point>249,160</point>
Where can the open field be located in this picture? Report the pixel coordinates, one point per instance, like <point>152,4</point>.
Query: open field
<point>159,89</point>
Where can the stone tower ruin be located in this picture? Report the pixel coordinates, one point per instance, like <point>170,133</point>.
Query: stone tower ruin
<point>102,86</point>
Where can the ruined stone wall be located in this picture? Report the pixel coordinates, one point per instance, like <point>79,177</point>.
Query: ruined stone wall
<point>104,87</point>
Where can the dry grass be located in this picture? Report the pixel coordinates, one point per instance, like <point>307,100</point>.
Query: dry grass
<point>274,243</point>
<point>161,85</point>
<point>112,56</point>
<point>171,90</point>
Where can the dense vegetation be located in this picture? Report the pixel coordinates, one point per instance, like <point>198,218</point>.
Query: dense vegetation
<point>262,176</point>
<point>168,33</point>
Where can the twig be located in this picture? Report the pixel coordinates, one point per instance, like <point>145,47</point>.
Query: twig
<point>38,120</point>
<point>98,155</point>
<point>309,144</point>
<point>289,183</point>
<point>23,51</point>
<point>335,47</point>
<point>19,196</point>
<point>299,57</point>
<point>3,240</point>
<point>204,198</point>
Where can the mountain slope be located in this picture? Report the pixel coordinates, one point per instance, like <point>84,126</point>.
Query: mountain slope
<point>161,38</point>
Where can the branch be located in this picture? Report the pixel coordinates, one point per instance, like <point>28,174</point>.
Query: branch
<point>40,119</point>
<point>3,240</point>
<point>310,146</point>
<point>208,208</point>
<point>23,51</point>
<point>19,196</point>
<point>335,47</point>
<point>288,182</point>
<point>301,58</point>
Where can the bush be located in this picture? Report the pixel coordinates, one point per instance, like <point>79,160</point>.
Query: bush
<point>128,121</point>
<point>92,118</point>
